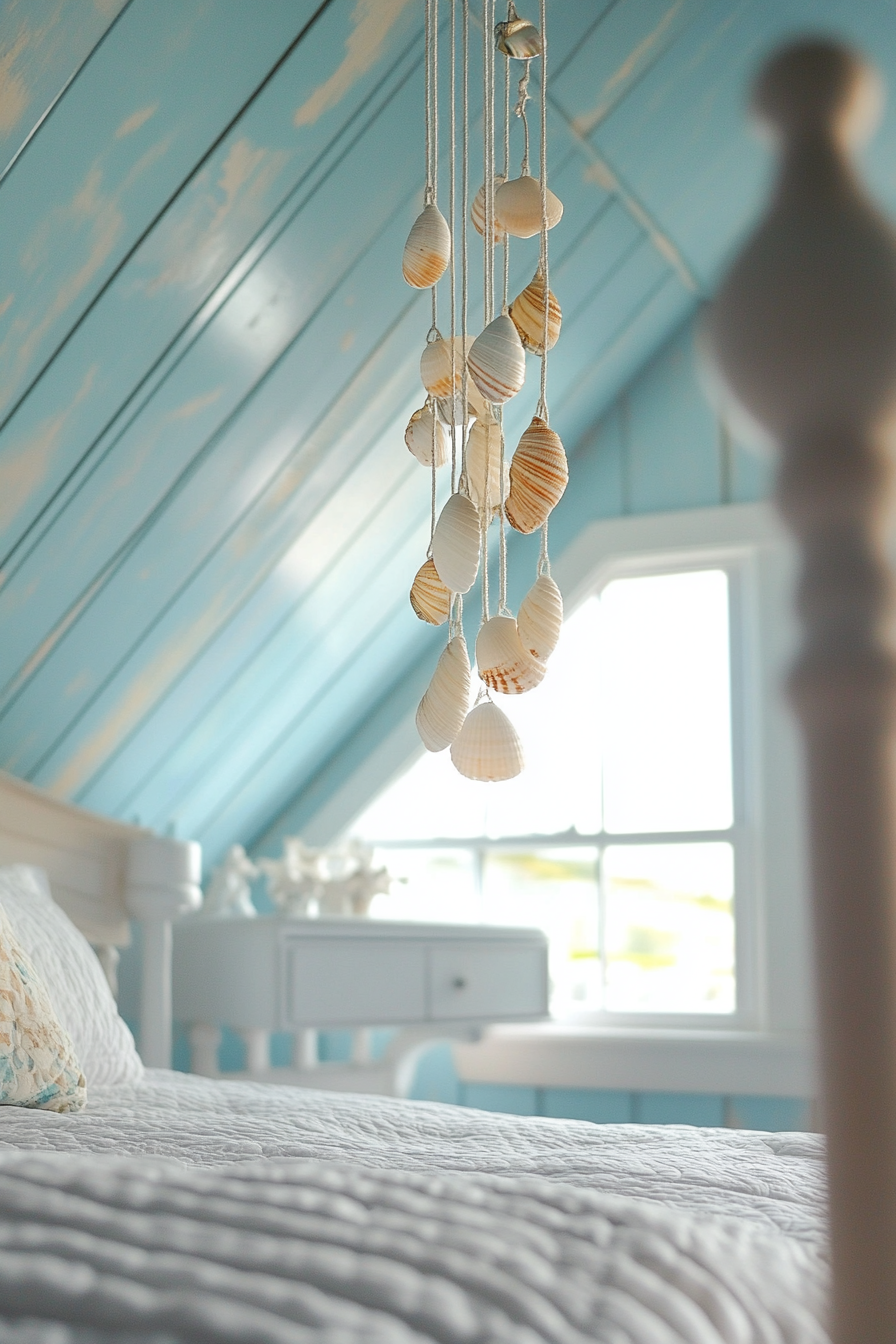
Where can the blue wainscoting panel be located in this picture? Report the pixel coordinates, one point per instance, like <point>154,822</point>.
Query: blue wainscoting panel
<point>435,1078</point>
<point>504,1097</point>
<point>770,1113</point>
<point>678,1108</point>
<point>579,1103</point>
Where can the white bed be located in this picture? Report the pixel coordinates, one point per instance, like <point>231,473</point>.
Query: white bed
<point>180,1207</point>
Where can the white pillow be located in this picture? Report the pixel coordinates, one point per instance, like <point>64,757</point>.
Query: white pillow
<point>74,979</point>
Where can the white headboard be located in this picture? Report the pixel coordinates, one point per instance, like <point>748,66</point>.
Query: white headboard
<point>84,855</point>
<point>103,873</point>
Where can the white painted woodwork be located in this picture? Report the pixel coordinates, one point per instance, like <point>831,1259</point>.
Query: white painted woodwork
<point>279,974</point>
<point>804,334</point>
<point>101,872</point>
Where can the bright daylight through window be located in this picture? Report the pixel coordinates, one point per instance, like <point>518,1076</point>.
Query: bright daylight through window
<point>618,839</point>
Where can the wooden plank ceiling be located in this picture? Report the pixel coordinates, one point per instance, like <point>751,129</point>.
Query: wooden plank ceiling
<point>208,517</point>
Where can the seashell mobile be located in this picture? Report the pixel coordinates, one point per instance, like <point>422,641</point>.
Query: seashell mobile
<point>468,381</point>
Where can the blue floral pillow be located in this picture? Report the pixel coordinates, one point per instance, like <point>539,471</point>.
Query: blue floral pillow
<point>38,1066</point>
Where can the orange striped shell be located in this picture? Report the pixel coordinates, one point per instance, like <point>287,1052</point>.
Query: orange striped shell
<point>538,476</point>
<point>430,598</point>
<point>527,315</point>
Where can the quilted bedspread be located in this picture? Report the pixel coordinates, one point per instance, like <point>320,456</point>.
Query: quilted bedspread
<point>185,1209</point>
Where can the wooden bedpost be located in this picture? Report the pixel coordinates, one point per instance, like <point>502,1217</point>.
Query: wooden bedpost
<point>804,334</point>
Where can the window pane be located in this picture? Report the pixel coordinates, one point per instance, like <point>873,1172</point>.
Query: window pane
<point>554,890</point>
<point>665,685</point>
<point>669,928</point>
<point>436,885</point>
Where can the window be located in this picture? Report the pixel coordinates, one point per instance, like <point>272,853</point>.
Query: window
<point>625,836</point>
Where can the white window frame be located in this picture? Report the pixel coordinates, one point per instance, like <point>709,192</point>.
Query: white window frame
<point>768,1047</point>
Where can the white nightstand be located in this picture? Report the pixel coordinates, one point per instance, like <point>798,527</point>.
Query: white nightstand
<point>274,974</point>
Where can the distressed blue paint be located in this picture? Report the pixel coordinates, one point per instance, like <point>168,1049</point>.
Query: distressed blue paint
<point>96,175</point>
<point>679,470</point>
<point>207,624</point>
<point>42,51</point>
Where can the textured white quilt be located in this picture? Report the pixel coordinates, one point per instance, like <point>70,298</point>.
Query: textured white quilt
<point>372,1219</point>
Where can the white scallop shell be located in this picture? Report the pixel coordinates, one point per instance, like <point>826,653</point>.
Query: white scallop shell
<point>540,618</point>
<point>419,437</point>
<point>455,544</point>
<point>428,249</point>
<point>435,365</point>
<point>518,207</point>
<point>502,661</point>
<point>441,712</point>
<point>487,746</point>
<point>484,448</point>
<point>430,598</point>
<point>477,213</point>
<point>497,361</point>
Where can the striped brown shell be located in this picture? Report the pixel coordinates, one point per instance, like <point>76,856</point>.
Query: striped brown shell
<point>497,361</point>
<point>538,476</point>
<point>527,315</point>
<point>430,598</point>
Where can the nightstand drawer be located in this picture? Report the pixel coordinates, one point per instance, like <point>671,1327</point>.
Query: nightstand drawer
<point>353,982</point>
<point>470,981</point>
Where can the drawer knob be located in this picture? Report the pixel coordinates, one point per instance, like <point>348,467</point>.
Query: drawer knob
<point>459,982</point>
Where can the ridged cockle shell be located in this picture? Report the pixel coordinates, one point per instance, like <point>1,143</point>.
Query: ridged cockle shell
<point>518,207</point>
<point>484,454</point>
<point>538,476</point>
<point>527,315</point>
<point>455,544</point>
<point>518,38</point>
<point>477,213</point>
<point>430,598</point>
<point>428,249</point>
<point>441,712</point>
<point>423,429</point>
<point>497,361</point>
<point>540,618</point>
<point>502,661</point>
<point>435,366</point>
<point>487,746</point>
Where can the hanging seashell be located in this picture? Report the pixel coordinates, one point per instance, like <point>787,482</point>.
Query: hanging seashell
<point>430,598</point>
<point>538,476</point>
<point>477,212</point>
<point>540,618</point>
<point>527,315</point>
<point>484,446</point>
<point>487,746</point>
<point>455,544</point>
<point>497,361</point>
<point>518,38</point>
<point>419,437</point>
<point>435,365</point>
<point>502,661</point>
<point>518,207</point>
<point>441,712</point>
<point>427,250</point>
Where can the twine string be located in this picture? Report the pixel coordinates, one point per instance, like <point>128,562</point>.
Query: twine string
<point>463,483</point>
<point>452,224</point>
<point>543,170</point>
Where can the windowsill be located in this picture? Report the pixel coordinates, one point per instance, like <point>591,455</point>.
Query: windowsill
<point>564,1054</point>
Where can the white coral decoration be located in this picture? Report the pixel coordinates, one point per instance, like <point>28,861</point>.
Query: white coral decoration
<point>353,881</point>
<point>294,882</point>
<point>228,894</point>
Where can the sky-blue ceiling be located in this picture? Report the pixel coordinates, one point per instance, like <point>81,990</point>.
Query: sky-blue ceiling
<point>209,520</point>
